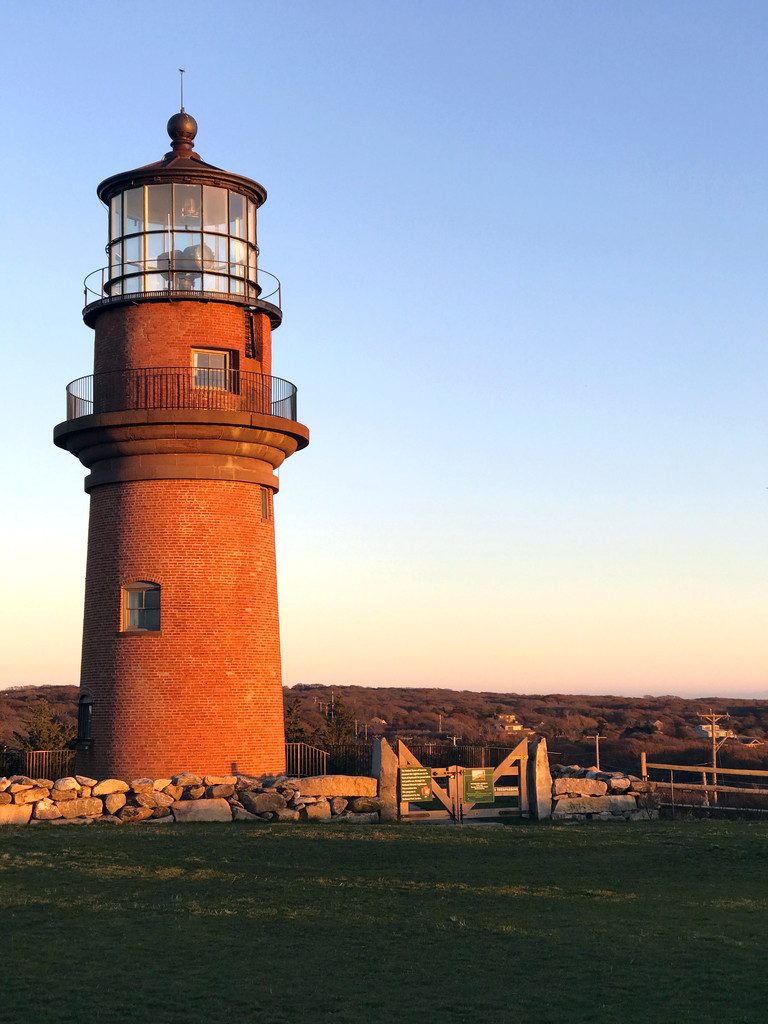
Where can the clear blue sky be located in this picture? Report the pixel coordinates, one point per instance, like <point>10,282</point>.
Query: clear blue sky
<point>523,255</point>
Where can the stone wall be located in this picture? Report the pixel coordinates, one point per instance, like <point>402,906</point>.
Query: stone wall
<point>586,794</point>
<point>185,797</point>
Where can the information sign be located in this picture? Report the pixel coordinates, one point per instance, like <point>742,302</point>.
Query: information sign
<point>478,786</point>
<point>415,785</point>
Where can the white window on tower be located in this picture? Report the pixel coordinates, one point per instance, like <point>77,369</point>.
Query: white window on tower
<point>211,369</point>
<point>141,607</point>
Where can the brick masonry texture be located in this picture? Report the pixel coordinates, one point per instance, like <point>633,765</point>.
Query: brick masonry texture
<point>164,334</point>
<point>204,693</point>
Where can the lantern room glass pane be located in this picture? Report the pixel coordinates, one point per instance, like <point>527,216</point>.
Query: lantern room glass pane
<point>158,207</point>
<point>236,215</point>
<point>251,222</point>
<point>187,206</point>
<point>216,246</point>
<point>134,250</point>
<point>134,283</point>
<point>115,255</point>
<point>134,210</point>
<point>236,256</point>
<point>215,283</point>
<point>116,216</point>
<point>157,245</point>
<point>214,208</point>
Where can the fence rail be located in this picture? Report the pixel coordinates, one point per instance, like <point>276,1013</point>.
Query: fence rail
<point>673,791</point>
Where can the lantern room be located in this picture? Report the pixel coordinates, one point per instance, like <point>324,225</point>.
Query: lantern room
<point>182,228</point>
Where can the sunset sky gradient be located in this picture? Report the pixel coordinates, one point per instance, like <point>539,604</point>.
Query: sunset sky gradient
<point>523,252</point>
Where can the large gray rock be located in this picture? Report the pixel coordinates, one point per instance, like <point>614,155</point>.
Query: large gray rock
<point>261,803</point>
<point>384,766</point>
<point>539,779</point>
<point>47,810</point>
<point>223,789</point>
<point>15,814</point>
<point>639,786</point>
<point>579,787</point>
<point>6,798</point>
<point>286,814</point>
<point>109,786</point>
<point>220,780</point>
<point>565,806</point>
<point>619,785</point>
<point>202,810</point>
<point>339,804</point>
<point>358,819</point>
<point>129,813</point>
<point>85,780</point>
<point>20,787</point>
<point>142,786</point>
<point>160,784</point>
<point>319,811</point>
<point>82,807</point>
<point>114,802</point>
<point>186,779</point>
<point>337,785</point>
<point>365,804</point>
<point>68,782</point>
<point>194,792</point>
<point>4,783</point>
<point>240,814</point>
<point>30,796</point>
<point>63,794</point>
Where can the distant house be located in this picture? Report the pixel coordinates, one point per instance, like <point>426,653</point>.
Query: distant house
<point>705,729</point>
<point>752,741</point>
<point>378,721</point>
<point>509,723</point>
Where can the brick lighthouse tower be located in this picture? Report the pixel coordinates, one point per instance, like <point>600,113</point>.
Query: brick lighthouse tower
<point>182,427</point>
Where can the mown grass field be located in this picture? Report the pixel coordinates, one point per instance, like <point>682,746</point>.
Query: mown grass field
<point>649,922</point>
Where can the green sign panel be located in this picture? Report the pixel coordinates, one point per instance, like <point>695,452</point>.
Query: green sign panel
<point>415,785</point>
<point>478,786</point>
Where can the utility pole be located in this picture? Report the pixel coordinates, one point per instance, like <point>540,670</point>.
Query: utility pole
<point>712,721</point>
<point>597,737</point>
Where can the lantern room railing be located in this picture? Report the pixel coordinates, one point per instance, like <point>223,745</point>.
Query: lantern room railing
<point>182,276</point>
<point>181,387</point>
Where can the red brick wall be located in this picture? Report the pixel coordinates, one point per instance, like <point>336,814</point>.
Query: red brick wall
<point>204,694</point>
<point>164,334</point>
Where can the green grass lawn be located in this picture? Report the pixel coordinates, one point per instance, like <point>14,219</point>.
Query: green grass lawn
<point>645,922</point>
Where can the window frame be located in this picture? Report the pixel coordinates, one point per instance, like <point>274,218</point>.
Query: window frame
<point>225,370</point>
<point>139,587</point>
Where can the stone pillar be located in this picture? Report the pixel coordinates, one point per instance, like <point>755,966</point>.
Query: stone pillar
<point>539,779</point>
<point>384,768</point>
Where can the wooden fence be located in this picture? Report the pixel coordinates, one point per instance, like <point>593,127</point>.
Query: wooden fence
<point>677,792</point>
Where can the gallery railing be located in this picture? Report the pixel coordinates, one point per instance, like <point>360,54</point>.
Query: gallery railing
<point>181,387</point>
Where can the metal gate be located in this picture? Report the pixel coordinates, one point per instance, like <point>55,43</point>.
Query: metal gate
<point>461,794</point>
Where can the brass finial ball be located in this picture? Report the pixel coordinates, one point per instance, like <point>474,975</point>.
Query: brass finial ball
<point>182,127</point>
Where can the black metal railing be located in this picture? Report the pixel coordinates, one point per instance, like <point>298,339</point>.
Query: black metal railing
<point>302,759</point>
<point>181,387</point>
<point>181,277</point>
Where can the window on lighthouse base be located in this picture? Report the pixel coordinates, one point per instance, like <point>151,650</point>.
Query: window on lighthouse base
<point>141,607</point>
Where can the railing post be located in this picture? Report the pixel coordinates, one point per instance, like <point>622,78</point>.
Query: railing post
<point>643,766</point>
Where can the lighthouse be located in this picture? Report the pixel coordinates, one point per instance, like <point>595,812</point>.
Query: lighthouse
<point>181,427</point>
